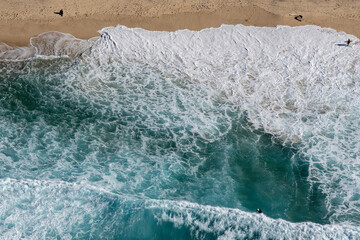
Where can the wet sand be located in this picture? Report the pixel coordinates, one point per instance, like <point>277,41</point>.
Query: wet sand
<point>22,19</point>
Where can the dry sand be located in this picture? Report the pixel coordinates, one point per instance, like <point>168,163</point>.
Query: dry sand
<point>21,19</point>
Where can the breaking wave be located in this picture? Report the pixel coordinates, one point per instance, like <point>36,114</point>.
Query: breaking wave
<point>140,134</point>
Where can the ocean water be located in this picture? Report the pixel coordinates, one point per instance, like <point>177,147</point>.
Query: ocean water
<point>181,135</point>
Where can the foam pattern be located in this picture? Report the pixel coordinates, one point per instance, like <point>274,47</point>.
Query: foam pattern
<point>299,84</point>
<point>140,134</point>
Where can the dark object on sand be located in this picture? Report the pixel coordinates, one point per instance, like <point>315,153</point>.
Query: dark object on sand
<point>259,210</point>
<point>61,12</point>
<point>298,17</point>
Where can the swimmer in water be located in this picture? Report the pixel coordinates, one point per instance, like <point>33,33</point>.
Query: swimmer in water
<point>259,210</point>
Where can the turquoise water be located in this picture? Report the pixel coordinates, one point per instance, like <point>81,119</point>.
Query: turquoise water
<point>111,149</point>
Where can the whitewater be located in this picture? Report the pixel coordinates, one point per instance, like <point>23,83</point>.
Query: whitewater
<point>141,134</point>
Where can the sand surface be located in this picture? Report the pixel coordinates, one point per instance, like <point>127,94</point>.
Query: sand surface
<point>21,19</point>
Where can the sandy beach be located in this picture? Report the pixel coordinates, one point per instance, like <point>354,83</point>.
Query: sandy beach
<point>23,19</point>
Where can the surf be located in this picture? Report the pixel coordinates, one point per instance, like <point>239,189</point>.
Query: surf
<point>191,126</point>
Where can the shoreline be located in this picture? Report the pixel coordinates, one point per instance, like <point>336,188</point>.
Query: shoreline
<point>17,32</point>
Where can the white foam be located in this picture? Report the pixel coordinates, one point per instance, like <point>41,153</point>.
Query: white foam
<point>13,53</point>
<point>227,223</point>
<point>300,84</point>
<point>53,44</point>
<point>34,209</point>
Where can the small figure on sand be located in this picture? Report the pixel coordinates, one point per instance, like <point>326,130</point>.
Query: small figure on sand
<point>61,12</point>
<point>259,210</point>
<point>348,42</point>
<point>298,17</point>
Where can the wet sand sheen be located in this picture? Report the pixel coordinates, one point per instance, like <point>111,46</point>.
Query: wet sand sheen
<point>83,19</point>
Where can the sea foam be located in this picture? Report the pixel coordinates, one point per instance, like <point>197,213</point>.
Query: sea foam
<point>299,84</point>
<point>137,119</point>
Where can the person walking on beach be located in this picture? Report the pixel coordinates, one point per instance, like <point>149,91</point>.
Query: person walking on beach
<point>298,17</point>
<point>348,42</point>
<point>61,12</point>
